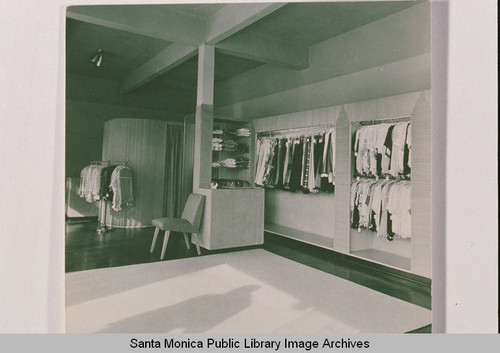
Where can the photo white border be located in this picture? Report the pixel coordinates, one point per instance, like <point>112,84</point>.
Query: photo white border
<point>465,289</point>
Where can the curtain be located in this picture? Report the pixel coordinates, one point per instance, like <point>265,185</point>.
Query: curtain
<point>188,159</point>
<point>173,202</point>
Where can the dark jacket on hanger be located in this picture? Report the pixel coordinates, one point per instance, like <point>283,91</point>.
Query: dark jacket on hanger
<point>296,167</point>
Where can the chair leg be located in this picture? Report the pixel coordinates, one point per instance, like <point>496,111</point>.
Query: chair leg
<point>197,242</point>
<point>157,230</point>
<point>165,241</point>
<point>186,239</point>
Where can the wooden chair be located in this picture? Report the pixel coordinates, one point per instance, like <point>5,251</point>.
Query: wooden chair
<point>188,223</point>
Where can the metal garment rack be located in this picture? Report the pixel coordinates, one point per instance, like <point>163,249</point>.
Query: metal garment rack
<point>102,228</point>
<point>297,131</point>
<point>382,121</point>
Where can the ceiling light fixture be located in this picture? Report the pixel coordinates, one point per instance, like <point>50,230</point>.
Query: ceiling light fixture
<point>96,59</point>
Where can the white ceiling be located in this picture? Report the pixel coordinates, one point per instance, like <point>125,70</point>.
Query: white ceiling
<point>123,51</point>
<point>311,23</point>
<point>303,24</point>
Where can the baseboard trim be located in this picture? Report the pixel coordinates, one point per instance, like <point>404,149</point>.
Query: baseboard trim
<point>340,264</point>
<point>335,255</point>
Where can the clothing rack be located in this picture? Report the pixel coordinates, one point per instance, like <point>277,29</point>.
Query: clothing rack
<point>385,177</point>
<point>297,131</point>
<point>102,228</point>
<point>377,122</point>
<point>382,121</point>
<point>109,162</point>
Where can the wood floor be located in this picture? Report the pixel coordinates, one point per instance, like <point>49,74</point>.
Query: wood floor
<point>85,250</point>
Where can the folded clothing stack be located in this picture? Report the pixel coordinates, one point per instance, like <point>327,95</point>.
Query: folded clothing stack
<point>228,145</point>
<point>238,162</point>
<point>217,144</point>
<point>228,183</point>
<point>243,132</point>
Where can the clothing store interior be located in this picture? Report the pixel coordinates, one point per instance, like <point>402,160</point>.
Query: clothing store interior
<point>248,168</point>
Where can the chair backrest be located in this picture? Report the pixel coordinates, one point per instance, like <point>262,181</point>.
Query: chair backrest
<point>194,209</point>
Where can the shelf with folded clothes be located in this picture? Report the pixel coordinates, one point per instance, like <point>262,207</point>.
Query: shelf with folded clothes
<point>231,151</point>
<point>229,146</point>
<point>239,162</point>
<point>230,132</point>
<point>223,183</point>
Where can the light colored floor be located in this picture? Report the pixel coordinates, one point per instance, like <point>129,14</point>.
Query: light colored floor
<point>241,292</point>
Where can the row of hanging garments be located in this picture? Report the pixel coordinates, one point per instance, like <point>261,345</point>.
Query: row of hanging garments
<point>301,162</point>
<point>383,150</point>
<point>382,206</point>
<point>107,183</point>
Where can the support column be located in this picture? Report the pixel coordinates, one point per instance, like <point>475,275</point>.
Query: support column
<point>204,117</point>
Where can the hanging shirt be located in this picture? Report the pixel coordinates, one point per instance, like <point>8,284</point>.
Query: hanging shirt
<point>318,160</point>
<point>290,158</point>
<point>398,146</point>
<point>331,173</point>
<point>311,182</point>
<point>408,145</point>
<point>264,151</point>
<point>296,170</point>
<point>122,186</point>
<point>386,157</point>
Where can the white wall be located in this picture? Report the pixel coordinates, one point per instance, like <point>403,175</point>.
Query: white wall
<point>471,193</point>
<point>85,128</point>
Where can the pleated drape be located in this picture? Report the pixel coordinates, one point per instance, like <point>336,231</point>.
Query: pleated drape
<point>188,160</point>
<point>172,197</point>
<point>142,144</point>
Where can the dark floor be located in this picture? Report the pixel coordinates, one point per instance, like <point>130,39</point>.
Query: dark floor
<point>85,250</point>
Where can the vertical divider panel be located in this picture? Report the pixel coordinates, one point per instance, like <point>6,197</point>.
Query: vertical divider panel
<point>187,158</point>
<point>342,183</point>
<point>421,178</point>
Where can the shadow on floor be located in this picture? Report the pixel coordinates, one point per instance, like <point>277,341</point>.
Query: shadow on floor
<point>195,315</point>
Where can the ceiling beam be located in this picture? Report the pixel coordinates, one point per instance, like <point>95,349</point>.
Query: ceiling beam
<point>260,47</point>
<point>232,18</point>
<point>188,31</point>
<point>150,21</point>
<point>172,56</point>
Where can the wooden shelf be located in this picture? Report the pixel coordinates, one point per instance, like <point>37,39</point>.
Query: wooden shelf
<point>300,235</point>
<point>384,258</point>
